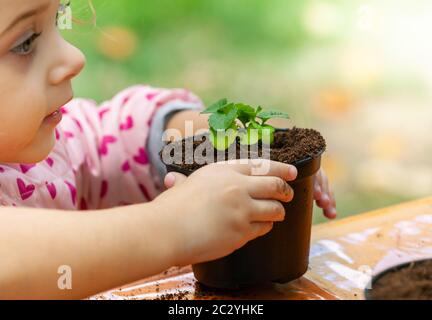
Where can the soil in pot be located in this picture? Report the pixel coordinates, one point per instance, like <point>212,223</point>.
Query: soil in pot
<point>281,255</point>
<point>410,282</point>
<point>289,146</point>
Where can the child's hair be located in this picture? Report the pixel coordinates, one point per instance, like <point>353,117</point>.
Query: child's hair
<point>84,22</point>
<point>93,13</point>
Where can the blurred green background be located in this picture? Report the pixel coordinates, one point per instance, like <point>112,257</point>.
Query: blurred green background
<point>358,71</point>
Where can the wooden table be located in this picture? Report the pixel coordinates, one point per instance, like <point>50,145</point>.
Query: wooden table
<point>344,254</point>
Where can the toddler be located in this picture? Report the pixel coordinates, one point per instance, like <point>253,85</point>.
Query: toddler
<point>82,185</point>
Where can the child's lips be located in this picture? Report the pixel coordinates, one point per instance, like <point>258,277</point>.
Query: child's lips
<point>54,118</point>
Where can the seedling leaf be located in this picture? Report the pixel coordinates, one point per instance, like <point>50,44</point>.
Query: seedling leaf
<point>271,114</point>
<point>245,113</point>
<point>249,137</point>
<point>223,139</point>
<point>224,118</point>
<point>224,129</point>
<point>215,107</point>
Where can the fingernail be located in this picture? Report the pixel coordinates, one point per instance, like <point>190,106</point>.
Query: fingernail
<point>170,179</point>
<point>290,193</point>
<point>293,172</point>
<point>325,198</point>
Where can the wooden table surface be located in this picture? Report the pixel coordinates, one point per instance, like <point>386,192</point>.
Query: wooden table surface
<point>343,256</point>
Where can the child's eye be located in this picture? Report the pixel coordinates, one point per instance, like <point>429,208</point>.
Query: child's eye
<point>26,46</point>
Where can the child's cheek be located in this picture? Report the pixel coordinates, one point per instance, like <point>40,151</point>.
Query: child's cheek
<point>19,128</point>
<point>26,145</point>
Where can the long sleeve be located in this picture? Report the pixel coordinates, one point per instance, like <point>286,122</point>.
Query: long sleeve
<point>113,148</point>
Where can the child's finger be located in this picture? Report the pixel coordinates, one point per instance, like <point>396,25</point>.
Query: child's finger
<point>173,179</point>
<point>325,185</point>
<point>330,213</point>
<point>317,190</point>
<point>318,178</point>
<point>261,228</point>
<point>269,188</point>
<point>267,211</point>
<point>329,207</point>
<point>264,167</point>
<point>324,202</point>
<point>325,199</point>
<point>333,199</point>
<point>329,192</point>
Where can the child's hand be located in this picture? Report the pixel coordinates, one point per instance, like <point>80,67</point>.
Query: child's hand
<point>221,207</point>
<point>324,196</point>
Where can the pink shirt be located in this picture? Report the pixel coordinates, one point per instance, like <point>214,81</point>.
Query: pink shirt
<point>103,157</point>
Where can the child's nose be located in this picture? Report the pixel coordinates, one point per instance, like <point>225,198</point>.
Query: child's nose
<point>71,62</point>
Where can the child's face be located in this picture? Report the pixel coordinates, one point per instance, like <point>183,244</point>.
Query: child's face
<point>35,78</point>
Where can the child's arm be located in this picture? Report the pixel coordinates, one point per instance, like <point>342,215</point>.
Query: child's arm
<point>190,223</point>
<point>104,249</point>
<point>178,120</point>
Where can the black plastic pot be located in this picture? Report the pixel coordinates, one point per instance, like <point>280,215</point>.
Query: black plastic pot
<point>369,293</point>
<point>280,256</point>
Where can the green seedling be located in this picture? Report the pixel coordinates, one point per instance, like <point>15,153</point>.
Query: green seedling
<point>226,118</point>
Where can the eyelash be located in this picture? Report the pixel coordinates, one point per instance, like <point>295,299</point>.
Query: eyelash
<point>27,46</point>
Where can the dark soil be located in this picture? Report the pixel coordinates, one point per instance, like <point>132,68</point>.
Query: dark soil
<point>413,282</point>
<point>289,146</point>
